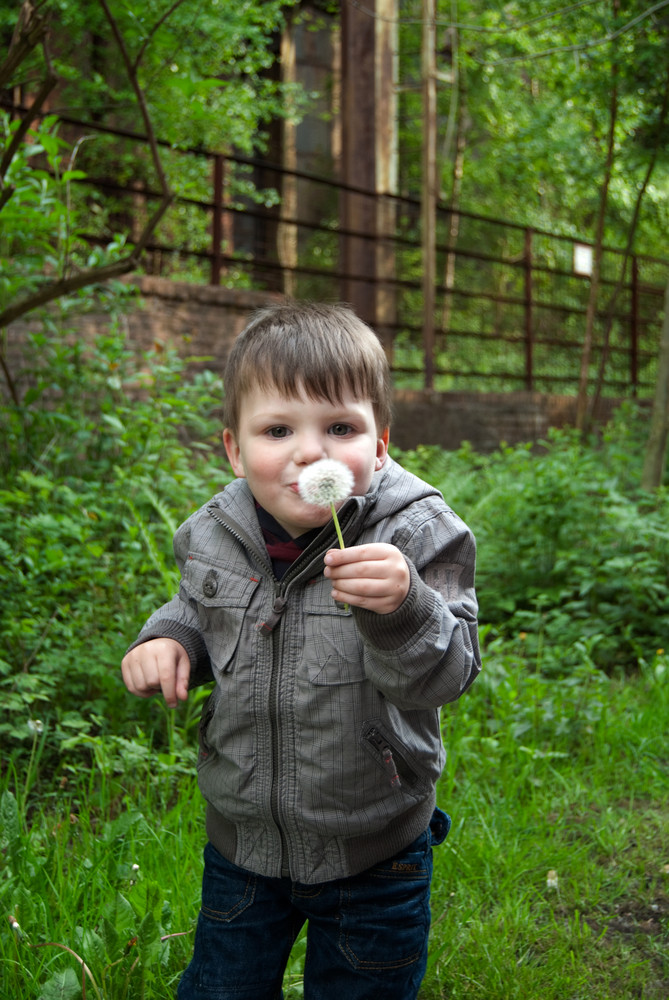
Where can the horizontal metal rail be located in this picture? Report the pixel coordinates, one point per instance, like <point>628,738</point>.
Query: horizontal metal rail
<point>510,306</point>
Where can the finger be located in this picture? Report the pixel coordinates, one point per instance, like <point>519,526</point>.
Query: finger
<point>139,675</point>
<point>168,681</point>
<point>362,592</point>
<point>381,605</point>
<point>362,570</point>
<point>183,676</point>
<point>357,554</point>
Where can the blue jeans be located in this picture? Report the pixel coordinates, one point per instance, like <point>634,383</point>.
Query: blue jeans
<point>366,940</point>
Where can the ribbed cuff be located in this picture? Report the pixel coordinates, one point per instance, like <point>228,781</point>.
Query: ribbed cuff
<point>394,630</point>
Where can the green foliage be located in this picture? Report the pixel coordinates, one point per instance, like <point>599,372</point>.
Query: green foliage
<point>528,113</point>
<point>152,61</point>
<point>572,557</point>
<point>40,234</point>
<point>104,456</point>
<point>109,921</point>
<point>212,58</point>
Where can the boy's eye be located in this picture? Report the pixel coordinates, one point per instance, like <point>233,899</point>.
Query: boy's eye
<point>340,430</point>
<point>278,432</point>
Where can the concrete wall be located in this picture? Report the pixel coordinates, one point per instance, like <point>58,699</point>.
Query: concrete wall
<point>202,321</point>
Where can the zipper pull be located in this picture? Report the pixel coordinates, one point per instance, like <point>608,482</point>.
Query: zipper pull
<point>389,765</point>
<point>266,627</point>
<point>381,744</point>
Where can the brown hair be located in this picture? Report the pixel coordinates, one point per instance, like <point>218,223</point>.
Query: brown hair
<point>322,350</point>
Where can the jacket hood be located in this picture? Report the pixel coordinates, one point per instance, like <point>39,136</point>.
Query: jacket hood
<point>392,489</point>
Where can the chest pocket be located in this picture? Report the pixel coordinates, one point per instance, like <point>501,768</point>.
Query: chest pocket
<point>222,596</point>
<point>333,650</point>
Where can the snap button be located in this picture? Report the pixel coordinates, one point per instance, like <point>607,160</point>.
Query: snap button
<point>210,583</point>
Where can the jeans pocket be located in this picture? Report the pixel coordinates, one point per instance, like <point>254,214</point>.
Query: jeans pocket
<point>226,889</point>
<point>385,912</point>
<point>440,826</point>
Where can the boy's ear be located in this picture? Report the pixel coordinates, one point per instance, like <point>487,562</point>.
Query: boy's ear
<point>234,453</point>
<point>382,449</point>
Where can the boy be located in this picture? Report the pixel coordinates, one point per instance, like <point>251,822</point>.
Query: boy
<point>320,744</point>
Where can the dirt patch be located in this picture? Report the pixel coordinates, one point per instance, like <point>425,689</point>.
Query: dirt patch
<point>631,918</point>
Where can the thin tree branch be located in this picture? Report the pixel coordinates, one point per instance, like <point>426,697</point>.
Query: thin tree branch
<point>591,311</point>
<point>47,86</point>
<point>54,289</point>
<point>168,13</point>
<point>141,100</point>
<point>11,384</point>
<point>578,46</point>
<point>30,29</point>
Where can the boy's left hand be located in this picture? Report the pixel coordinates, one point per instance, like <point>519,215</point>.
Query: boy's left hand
<point>374,576</point>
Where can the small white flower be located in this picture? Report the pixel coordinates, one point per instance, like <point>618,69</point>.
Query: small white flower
<point>325,482</point>
<point>551,879</point>
<point>35,726</point>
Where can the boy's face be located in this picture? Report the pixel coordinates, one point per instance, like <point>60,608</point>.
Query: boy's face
<point>279,436</point>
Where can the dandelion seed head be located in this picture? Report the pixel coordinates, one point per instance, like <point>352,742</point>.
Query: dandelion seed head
<point>35,725</point>
<point>324,482</point>
<point>551,879</point>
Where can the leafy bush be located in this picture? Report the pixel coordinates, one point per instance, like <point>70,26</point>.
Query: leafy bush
<point>569,550</point>
<point>104,457</point>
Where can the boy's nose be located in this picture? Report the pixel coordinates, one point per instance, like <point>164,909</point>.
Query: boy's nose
<point>309,448</point>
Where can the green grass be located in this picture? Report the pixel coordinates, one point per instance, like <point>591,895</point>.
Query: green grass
<point>568,777</point>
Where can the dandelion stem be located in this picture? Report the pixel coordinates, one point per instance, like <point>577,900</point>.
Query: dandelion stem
<point>337,528</point>
<point>339,534</point>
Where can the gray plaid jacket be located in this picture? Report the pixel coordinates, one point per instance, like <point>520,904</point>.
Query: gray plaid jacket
<point>320,744</point>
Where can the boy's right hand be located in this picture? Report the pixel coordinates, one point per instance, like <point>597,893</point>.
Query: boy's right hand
<point>157,665</point>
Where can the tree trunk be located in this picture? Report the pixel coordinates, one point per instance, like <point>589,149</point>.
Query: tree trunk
<point>656,447</point>
<point>628,248</point>
<point>591,312</point>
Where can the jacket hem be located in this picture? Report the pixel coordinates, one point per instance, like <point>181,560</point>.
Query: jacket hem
<point>360,853</point>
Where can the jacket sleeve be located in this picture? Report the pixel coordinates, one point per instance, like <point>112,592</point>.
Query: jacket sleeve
<point>426,653</point>
<point>179,620</point>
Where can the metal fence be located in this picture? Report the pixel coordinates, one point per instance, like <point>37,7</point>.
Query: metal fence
<point>511,301</point>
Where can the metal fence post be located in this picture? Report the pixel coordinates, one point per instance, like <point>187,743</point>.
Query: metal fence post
<point>217,221</point>
<point>529,330</point>
<point>634,328</point>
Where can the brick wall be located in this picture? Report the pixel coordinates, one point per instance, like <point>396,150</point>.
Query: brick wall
<point>484,419</point>
<point>201,321</point>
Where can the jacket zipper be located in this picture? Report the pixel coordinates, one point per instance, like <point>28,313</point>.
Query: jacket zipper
<point>393,760</point>
<point>266,628</point>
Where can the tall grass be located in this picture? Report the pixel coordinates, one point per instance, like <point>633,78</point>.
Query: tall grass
<point>554,881</point>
